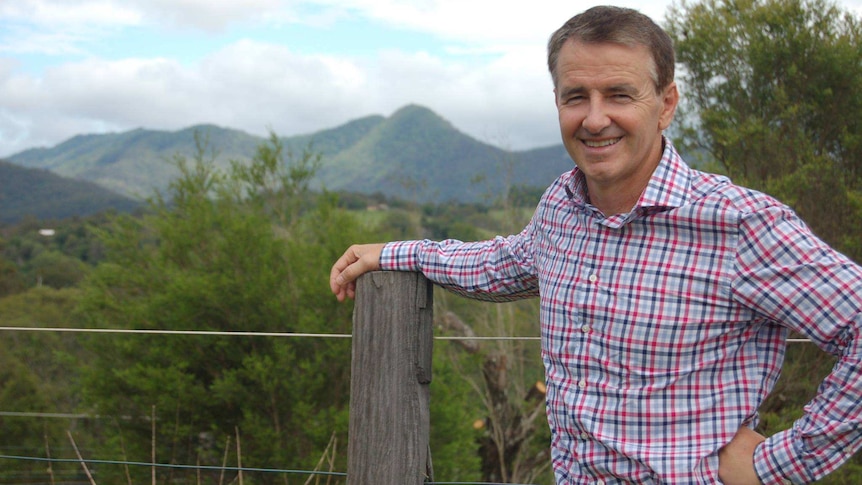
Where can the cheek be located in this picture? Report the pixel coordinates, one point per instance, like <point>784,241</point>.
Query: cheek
<point>569,121</point>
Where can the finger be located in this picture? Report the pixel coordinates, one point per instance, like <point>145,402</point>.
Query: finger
<point>333,282</point>
<point>359,260</point>
<point>336,280</point>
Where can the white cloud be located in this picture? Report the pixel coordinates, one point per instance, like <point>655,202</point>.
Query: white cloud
<point>492,83</point>
<point>57,13</point>
<point>208,15</point>
<point>255,86</point>
<point>59,28</point>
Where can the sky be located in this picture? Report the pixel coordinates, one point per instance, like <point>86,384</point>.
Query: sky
<point>291,67</point>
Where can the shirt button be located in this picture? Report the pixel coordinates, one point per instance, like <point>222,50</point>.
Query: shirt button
<point>585,329</point>
<point>582,384</point>
<point>600,482</point>
<point>584,435</point>
<point>786,482</point>
<point>593,278</point>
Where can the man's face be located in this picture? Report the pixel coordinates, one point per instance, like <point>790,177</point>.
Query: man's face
<point>611,117</point>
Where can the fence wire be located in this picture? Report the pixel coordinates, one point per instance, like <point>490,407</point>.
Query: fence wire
<point>222,334</point>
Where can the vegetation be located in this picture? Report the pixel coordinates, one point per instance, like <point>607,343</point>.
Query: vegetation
<point>242,248</point>
<point>41,194</point>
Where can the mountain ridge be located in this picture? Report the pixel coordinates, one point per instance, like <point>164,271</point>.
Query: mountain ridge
<point>413,154</point>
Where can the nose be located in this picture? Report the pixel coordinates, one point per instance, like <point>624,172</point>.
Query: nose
<point>597,118</point>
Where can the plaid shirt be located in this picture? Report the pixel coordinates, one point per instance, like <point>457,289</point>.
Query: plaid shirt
<point>664,329</point>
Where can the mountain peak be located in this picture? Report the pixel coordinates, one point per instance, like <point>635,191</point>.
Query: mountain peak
<point>413,110</point>
<point>417,113</point>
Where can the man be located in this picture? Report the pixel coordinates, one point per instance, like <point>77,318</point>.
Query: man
<point>667,294</point>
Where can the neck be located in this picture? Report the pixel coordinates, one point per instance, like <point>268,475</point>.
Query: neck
<point>618,195</point>
<point>611,201</point>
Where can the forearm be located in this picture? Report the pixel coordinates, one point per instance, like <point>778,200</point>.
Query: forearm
<point>499,269</point>
<point>826,436</point>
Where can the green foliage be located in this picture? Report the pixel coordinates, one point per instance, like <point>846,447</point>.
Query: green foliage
<point>774,93</point>
<point>245,247</point>
<point>231,251</point>
<point>498,378</point>
<point>455,406</point>
<point>38,371</point>
<point>59,258</point>
<point>11,281</point>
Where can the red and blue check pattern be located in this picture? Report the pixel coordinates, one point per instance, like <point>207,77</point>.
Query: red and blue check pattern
<point>664,329</point>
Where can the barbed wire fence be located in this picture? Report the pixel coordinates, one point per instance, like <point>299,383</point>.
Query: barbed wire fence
<point>90,462</point>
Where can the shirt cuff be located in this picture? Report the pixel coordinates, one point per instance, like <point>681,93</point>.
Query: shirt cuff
<point>777,461</point>
<point>400,256</point>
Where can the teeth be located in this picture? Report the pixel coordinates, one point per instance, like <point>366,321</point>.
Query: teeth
<point>600,143</point>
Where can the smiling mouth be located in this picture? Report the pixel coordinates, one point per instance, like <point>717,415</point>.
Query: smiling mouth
<point>601,143</point>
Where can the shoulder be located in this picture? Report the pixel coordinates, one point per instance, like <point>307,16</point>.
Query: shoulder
<point>713,189</point>
<point>561,192</point>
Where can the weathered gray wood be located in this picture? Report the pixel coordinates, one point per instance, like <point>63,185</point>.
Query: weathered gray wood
<point>390,373</point>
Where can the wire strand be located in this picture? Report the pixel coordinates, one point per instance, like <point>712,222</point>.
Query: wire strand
<point>166,465</point>
<point>260,334</point>
<point>176,332</point>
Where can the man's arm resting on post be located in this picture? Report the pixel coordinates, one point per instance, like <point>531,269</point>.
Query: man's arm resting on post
<point>498,269</point>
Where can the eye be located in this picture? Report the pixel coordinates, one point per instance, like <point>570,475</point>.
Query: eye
<point>575,99</point>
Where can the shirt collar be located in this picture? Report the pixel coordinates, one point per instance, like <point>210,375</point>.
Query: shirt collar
<point>667,188</point>
<point>669,185</point>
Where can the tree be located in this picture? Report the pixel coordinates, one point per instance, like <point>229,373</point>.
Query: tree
<point>238,250</point>
<point>37,370</point>
<point>512,434</point>
<point>772,92</point>
<point>512,439</point>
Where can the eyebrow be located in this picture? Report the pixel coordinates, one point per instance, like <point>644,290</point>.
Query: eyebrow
<point>624,88</point>
<point>572,91</point>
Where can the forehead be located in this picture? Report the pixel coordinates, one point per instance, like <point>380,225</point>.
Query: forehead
<point>583,62</point>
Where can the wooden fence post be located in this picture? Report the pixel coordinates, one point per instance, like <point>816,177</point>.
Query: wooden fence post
<point>389,376</point>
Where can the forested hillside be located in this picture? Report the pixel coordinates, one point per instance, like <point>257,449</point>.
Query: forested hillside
<point>44,195</point>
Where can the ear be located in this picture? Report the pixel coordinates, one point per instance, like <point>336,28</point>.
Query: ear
<point>669,101</point>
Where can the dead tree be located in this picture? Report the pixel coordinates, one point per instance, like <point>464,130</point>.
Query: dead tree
<point>510,422</point>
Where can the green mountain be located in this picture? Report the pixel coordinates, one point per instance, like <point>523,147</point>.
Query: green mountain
<point>44,195</point>
<point>414,155</point>
<point>136,162</point>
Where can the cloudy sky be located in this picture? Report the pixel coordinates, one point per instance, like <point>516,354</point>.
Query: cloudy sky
<point>71,67</point>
